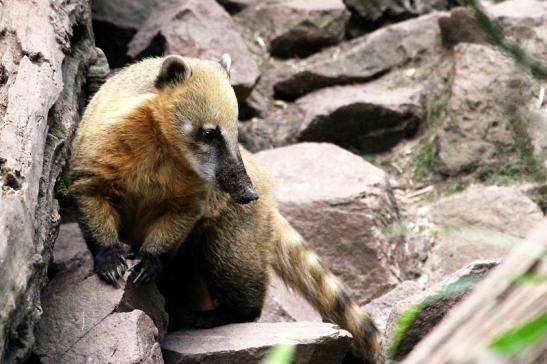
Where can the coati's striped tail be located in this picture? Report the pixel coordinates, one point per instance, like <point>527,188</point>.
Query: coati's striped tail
<point>301,269</point>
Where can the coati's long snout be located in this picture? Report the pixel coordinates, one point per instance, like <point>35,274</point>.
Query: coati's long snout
<point>232,178</point>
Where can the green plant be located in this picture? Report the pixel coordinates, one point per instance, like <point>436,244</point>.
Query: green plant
<point>518,338</point>
<point>424,161</point>
<point>280,354</point>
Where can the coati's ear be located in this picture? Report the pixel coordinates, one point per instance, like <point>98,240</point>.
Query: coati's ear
<point>173,69</point>
<point>226,62</point>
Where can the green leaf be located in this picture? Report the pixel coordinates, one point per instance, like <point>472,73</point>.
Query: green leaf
<point>530,277</point>
<point>280,354</point>
<point>520,337</point>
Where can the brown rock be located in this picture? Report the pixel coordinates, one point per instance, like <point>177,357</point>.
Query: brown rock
<point>120,338</point>
<point>248,343</point>
<point>296,28</point>
<point>363,58</point>
<point>369,118</point>
<point>476,132</point>
<point>339,203</point>
<point>202,29</point>
<point>77,301</point>
<point>431,306</point>
<point>479,223</point>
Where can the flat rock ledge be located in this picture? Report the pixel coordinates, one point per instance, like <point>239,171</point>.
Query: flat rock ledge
<point>248,343</point>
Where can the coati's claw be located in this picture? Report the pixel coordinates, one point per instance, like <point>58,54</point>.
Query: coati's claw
<point>110,264</point>
<point>148,268</point>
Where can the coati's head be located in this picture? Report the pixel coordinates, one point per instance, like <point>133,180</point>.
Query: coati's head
<point>200,116</point>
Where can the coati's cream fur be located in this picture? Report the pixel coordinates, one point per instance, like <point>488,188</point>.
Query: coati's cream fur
<point>157,166</point>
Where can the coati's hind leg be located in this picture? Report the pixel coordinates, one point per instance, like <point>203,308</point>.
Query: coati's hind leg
<point>237,279</point>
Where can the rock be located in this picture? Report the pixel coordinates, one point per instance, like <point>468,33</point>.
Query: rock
<point>371,14</point>
<point>286,305</point>
<point>525,24</point>
<point>427,309</point>
<point>523,21</point>
<point>78,305</point>
<point>481,128</point>
<point>116,22</point>
<point>248,343</point>
<point>120,338</point>
<point>369,118</point>
<point>460,26</point>
<point>235,6</point>
<point>479,223</point>
<point>296,28</point>
<point>42,77</point>
<point>70,250</point>
<point>343,216</point>
<point>197,29</point>
<point>380,308</point>
<point>363,58</point>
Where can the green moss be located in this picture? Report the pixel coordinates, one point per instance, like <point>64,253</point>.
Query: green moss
<point>55,133</point>
<point>402,324</point>
<point>424,161</point>
<point>455,186</point>
<point>61,189</point>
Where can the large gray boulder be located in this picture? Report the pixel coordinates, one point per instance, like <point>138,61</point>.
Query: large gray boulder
<point>363,58</point>
<point>45,50</point>
<point>341,205</point>
<point>197,29</point>
<point>248,343</point>
<point>296,28</point>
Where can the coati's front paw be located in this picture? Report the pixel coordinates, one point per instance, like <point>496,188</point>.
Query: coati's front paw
<point>111,264</point>
<point>148,269</point>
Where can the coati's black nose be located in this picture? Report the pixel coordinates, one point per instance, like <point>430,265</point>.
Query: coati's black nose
<point>233,179</point>
<point>248,195</point>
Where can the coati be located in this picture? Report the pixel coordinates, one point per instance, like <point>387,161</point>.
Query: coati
<point>156,166</point>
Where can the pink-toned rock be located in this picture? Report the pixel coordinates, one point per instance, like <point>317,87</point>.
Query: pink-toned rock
<point>283,304</point>
<point>77,301</point>
<point>70,249</point>
<point>341,205</point>
<point>476,132</point>
<point>371,117</point>
<point>120,338</point>
<point>479,223</point>
<point>363,58</point>
<point>197,28</point>
<point>426,309</point>
<point>248,343</point>
<point>381,308</point>
<point>296,27</point>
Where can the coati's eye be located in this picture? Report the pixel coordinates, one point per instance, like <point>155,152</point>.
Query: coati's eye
<point>209,135</point>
